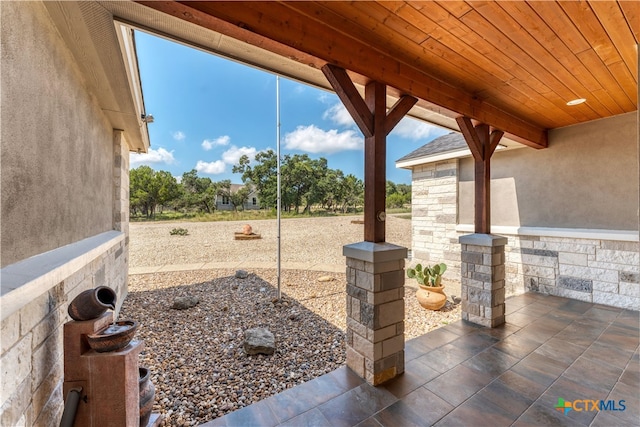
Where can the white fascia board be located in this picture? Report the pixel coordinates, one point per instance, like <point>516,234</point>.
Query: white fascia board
<point>409,164</point>
<point>129,56</point>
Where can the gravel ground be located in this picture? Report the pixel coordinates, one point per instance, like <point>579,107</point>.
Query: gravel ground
<point>198,366</point>
<point>302,240</point>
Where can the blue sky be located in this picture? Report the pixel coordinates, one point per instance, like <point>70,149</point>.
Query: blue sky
<point>209,111</point>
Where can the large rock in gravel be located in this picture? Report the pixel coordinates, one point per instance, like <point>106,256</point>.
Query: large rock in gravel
<point>241,274</point>
<point>183,303</point>
<point>259,341</point>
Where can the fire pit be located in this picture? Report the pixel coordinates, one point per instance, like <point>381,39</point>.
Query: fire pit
<point>246,234</point>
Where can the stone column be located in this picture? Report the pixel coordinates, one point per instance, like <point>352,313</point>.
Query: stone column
<point>121,182</point>
<point>375,310</point>
<point>482,273</point>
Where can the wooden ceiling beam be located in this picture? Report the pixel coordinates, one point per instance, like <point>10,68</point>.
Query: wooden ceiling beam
<point>275,26</point>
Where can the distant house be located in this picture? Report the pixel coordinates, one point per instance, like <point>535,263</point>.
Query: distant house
<point>224,202</point>
<point>570,212</point>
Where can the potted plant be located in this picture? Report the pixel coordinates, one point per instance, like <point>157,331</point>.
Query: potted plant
<point>430,295</point>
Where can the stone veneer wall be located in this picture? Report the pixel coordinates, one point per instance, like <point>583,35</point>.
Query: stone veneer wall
<point>592,270</point>
<point>434,199</point>
<point>32,342</point>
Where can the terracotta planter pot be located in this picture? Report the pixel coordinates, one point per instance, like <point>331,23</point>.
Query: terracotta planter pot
<point>91,303</point>
<point>147,394</point>
<point>436,289</point>
<point>431,298</point>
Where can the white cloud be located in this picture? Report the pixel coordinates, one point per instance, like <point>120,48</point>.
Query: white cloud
<point>211,168</point>
<point>229,157</point>
<point>326,97</point>
<point>414,129</point>
<point>314,140</point>
<point>339,115</point>
<point>179,136</point>
<point>153,156</point>
<point>208,144</point>
<point>233,154</point>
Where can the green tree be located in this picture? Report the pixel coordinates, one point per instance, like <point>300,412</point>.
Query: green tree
<point>300,178</point>
<point>262,176</point>
<point>237,198</point>
<point>199,192</point>
<point>353,192</point>
<point>148,189</point>
<point>331,188</point>
<point>168,188</point>
<point>398,195</point>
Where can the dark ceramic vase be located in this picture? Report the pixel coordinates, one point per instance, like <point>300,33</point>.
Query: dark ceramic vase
<point>147,393</point>
<point>91,303</point>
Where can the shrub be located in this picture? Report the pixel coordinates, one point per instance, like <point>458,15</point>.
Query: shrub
<point>179,232</point>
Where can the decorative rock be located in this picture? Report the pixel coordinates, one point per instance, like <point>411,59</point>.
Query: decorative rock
<point>326,279</point>
<point>247,229</point>
<point>294,315</point>
<point>259,341</point>
<point>183,303</point>
<point>456,300</point>
<point>241,274</point>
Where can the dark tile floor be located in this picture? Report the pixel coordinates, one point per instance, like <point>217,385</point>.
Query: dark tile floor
<point>463,375</point>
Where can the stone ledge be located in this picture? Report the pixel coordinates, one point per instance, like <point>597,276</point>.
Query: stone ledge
<point>374,252</point>
<point>479,239</point>
<point>25,280</point>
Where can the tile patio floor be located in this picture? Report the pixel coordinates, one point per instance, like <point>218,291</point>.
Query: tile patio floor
<point>463,375</point>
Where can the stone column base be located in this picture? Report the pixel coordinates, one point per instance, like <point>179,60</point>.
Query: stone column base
<point>375,310</point>
<point>482,273</point>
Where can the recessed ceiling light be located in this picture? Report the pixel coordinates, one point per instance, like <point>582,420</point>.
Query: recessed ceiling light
<point>576,101</point>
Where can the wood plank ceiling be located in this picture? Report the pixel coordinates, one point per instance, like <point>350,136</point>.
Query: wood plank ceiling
<point>513,65</point>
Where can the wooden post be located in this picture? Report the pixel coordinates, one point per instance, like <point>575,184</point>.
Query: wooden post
<point>482,142</point>
<point>375,147</point>
<point>375,123</point>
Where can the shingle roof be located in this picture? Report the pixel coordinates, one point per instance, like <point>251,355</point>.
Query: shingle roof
<point>444,144</point>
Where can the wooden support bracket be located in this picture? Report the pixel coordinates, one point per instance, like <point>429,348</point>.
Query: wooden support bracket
<point>370,114</point>
<point>482,141</point>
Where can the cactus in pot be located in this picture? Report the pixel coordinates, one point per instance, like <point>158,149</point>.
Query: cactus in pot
<point>427,276</point>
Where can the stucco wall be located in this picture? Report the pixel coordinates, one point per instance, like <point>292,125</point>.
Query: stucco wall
<point>56,185</point>
<point>587,178</point>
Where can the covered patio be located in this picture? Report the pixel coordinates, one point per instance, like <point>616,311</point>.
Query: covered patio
<point>551,352</point>
<point>504,74</point>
